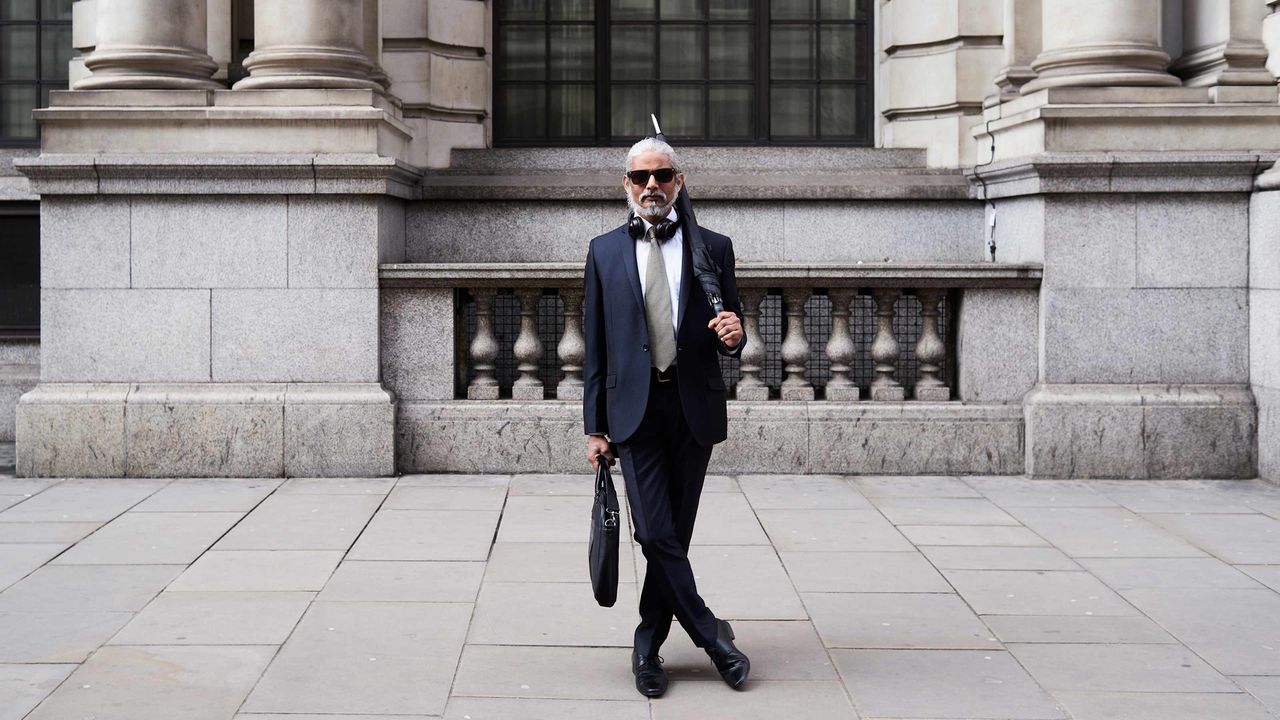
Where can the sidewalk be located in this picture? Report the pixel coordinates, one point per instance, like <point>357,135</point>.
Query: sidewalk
<point>466,597</point>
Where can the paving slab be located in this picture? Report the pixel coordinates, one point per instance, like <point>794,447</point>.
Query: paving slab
<point>65,533</point>
<point>474,708</point>
<point>1162,706</point>
<point>8,501</point>
<point>158,683</point>
<point>1036,592</point>
<point>446,498</point>
<point>208,495</point>
<point>779,650</point>
<point>536,518</point>
<point>216,618</point>
<point>427,535</point>
<point>82,501</point>
<point>897,620</point>
<point>1268,575</point>
<point>1103,532</point>
<point>151,538</point>
<point>545,672</point>
<point>371,658</point>
<point>302,522</point>
<point>10,485</point>
<point>1237,631</point>
<point>1266,688</point>
<point>551,562</point>
<point>935,684</point>
<point>1076,629</point>
<point>72,588</point>
<point>337,486</point>
<point>1124,668</point>
<point>762,700</point>
<point>831,530</point>
<point>863,572</point>
<point>552,614</point>
<point>404,581</point>
<point>972,535</point>
<point>727,519</point>
<point>19,560</point>
<point>942,511</point>
<point>998,558</point>
<point>746,582</point>
<point>565,485</point>
<point>1011,492</point>
<point>1126,573</point>
<point>454,480</point>
<point>801,492</point>
<point>1239,539</point>
<point>22,687</point>
<point>913,486</point>
<point>56,636</point>
<point>259,570</point>
<point>1180,498</point>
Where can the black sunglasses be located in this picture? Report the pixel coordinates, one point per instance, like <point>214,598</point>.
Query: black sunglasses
<point>662,175</point>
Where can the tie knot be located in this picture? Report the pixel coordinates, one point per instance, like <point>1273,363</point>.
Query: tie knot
<point>652,234</point>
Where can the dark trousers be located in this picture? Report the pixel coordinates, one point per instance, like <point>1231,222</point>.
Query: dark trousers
<point>664,468</point>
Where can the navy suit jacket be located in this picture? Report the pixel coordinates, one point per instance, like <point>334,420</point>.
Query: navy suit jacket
<point>617,368</point>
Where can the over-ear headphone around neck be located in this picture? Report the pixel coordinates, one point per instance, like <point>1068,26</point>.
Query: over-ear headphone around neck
<point>636,227</point>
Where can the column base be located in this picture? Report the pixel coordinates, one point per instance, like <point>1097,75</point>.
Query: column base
<point>205,430</point>
<point>1106,65</point>
<point>145,67</point>
<point>1141,431</point>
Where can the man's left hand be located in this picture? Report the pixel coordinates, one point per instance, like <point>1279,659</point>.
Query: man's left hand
<point>728,328</point>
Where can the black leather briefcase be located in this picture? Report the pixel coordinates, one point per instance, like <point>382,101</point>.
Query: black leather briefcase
<point>602,551</point>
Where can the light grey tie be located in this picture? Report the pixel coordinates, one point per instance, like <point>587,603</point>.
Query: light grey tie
<point>657,307</point>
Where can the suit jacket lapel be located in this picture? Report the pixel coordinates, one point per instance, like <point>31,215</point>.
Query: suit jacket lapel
<point>628,247</point>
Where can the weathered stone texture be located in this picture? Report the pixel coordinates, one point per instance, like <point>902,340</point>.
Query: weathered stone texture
<point>997,347</point>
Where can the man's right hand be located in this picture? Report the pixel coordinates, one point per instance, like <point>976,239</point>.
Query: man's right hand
<point>597,447</point>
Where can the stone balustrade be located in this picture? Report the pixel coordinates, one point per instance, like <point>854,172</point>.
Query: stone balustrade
<point>810,328</point>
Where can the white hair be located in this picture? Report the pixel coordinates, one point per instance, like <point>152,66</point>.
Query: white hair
<point>650,144</point>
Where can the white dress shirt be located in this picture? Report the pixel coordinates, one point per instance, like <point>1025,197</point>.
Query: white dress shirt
<point>672,259</point>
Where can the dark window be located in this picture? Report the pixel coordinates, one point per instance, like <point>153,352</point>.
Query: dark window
<point>19,271</point>
<point>575,72</point>
<point>35,46</point>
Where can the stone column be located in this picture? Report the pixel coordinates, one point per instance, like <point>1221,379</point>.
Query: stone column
<point>150,44</point>
<point>1271,37</point>
<point>373,42</point>
<point>1021,46</point>
<point>1100,43</point>
<point>1224,50</point>
<point>308,44</point>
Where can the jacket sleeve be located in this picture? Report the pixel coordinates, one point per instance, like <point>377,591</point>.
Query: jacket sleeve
<point>729,294</point>
<point>595,416</point>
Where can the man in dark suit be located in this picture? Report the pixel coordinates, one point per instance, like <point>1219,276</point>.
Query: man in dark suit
<point>653,390</point>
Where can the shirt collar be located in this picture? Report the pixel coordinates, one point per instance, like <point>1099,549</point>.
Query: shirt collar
<point>672,216</point>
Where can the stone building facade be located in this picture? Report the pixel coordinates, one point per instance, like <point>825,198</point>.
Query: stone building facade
<point>344,237</point>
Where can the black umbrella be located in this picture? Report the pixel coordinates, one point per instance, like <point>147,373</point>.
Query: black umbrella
<point>704,268</point>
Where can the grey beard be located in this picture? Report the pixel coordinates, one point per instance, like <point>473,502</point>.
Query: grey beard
<point>654,214</point>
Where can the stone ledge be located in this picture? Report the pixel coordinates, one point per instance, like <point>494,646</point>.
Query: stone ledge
<point>764,437</point>
<point>205,430</point>
<point>228,173</point>
<point>1141,431</point>
<point>911,275</point>
<point>1121,172</point>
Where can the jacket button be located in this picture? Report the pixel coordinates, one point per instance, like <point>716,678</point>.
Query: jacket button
<point>679,349</point>
<point>644,348</point>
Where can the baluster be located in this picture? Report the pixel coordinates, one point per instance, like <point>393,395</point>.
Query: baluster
<point>884,349</point>
<point>751,387</point>
<point>840,349</point>
<point>930,351</point>
<point>572,349</point>
<point>484,349</point>
<point>795,348</point>
<point>528,348</point>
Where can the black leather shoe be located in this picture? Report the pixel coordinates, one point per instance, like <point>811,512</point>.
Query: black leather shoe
<point>651,679</point>
<point>729,660</point>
